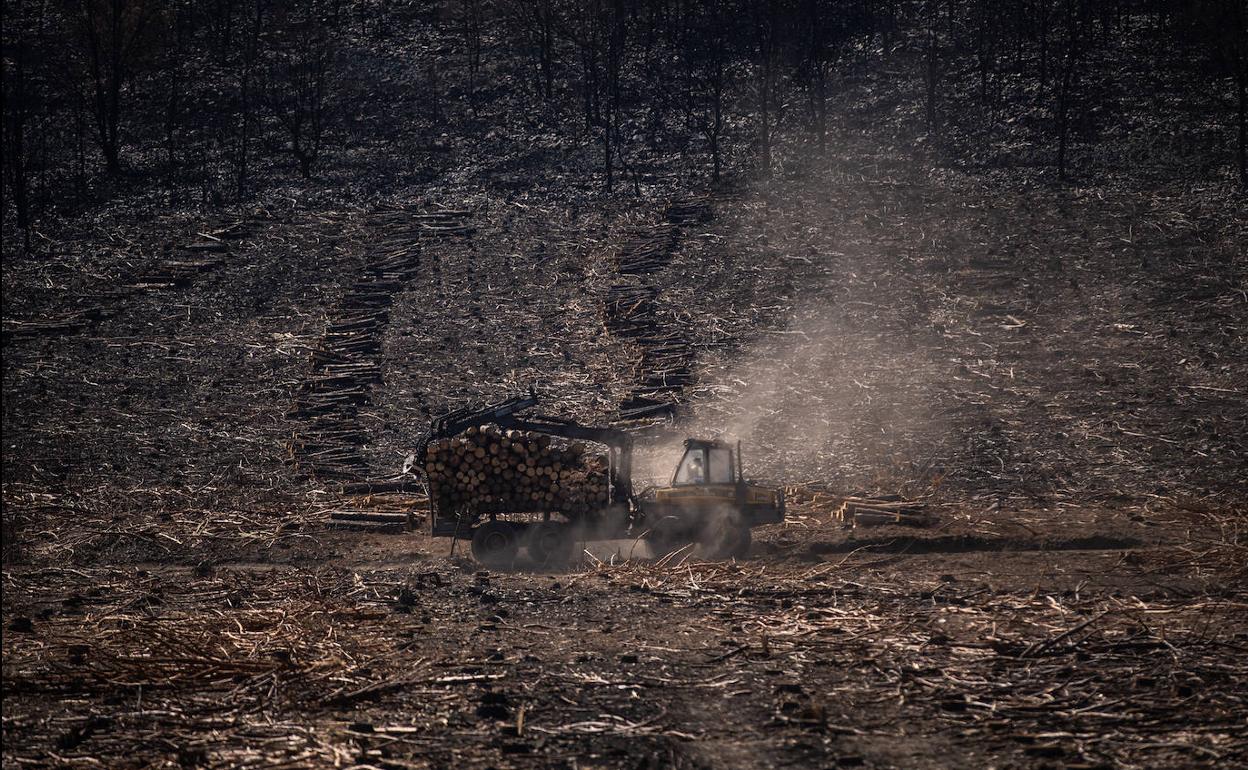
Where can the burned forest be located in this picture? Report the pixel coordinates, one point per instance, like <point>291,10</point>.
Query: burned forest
<point>397,384</point>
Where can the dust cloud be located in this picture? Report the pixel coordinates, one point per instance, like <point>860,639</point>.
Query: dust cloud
<point>830,399</point>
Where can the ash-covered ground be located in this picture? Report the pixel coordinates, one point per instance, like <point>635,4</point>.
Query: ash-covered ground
<point>175,595</point>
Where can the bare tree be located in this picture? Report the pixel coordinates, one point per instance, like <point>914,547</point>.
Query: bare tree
<point>1222,26</point>
<point>615,24</point>
<point>297,83</point>
<point>172,61</point>
<point>471,20</point>
<point>117,34</point>
<point>766,32</point>
<point>819,33</point>
<point>16,113</point>
<point>934,66</point>
<point>985,45</point>
<point>1074,12</point>
<point>714,60</point>
<point>251,48</point>
<point>536,22</point>
<point>586,31</point>
<point>219,18</point>
<point>1044,20</point>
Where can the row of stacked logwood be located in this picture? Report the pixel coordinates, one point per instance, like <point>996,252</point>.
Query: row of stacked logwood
<point>488,470</point>
<point>328,440</point>
<point>174,270</point>
<point>665,365</point>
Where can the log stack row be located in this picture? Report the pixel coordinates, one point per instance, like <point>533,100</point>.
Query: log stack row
<point>180,271</point>
<point>172,271</point>
<point>488,470</point>
<point>632,312</point>
<point>328,440</point>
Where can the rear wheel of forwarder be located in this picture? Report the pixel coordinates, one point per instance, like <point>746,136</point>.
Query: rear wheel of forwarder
<point>494,544</point>
<point>724,537</point>
<point>550,543</point>
<point>666,535</point>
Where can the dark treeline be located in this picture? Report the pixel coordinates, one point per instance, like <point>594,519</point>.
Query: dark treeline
<point>204,99</point>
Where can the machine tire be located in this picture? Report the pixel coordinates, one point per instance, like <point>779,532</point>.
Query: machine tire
<point>494,544</point>
<point>666,535</point>
<point>724,537</point>
<point>550,543</point>
<point>744,542</point>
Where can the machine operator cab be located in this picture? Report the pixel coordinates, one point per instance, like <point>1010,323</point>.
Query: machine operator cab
<point>705,462</point>
<point>709,477</point>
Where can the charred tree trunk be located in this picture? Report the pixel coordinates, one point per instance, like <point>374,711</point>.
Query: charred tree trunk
<point>245,99</point>
<point>115,32</point>
<point>817,56</point>
<point>821,107</point>
<point>711,51</point>
<point>931,81</point>
<point>615,54</point>
<point>15,114</point>
<point>105,80</point>
<point>1070,61</point>
<point>587,35</point>
<point>1044,16</point>
<point>984,50</point>
<point>471,13</point>
<point>174,68</point>
<point>717,118</point>
<point>1241,81</point>
<point>435,103</point>
<point>547,49</point>
<point>220,17</point>
<point>1063,123</point>
<point>119,36</point>
<point>765,38</point>
<point>80,144</point>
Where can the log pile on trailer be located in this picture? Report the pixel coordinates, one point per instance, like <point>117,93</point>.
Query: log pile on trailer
<point>490,470</point>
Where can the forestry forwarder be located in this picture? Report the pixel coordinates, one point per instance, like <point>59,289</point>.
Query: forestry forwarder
<point>709,502</point>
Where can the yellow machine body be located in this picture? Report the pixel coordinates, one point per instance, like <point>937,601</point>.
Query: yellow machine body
<point>708,480</point>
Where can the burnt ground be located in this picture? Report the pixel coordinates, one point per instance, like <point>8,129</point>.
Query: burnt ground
<point>174,594</point>
<point>1057,371</point>
<point>354,649</point>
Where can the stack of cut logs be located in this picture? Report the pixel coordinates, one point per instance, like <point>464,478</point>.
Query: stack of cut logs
<point>876,512</point>
<point>488,470</point>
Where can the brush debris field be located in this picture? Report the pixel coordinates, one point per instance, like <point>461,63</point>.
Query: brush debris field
<point>1079,602</point>
<point>207,409</point>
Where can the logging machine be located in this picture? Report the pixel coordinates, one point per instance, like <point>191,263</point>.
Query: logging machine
<point>708,502</point>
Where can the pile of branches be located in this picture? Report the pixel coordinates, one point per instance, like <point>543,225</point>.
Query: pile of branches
<point>488,470</point>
